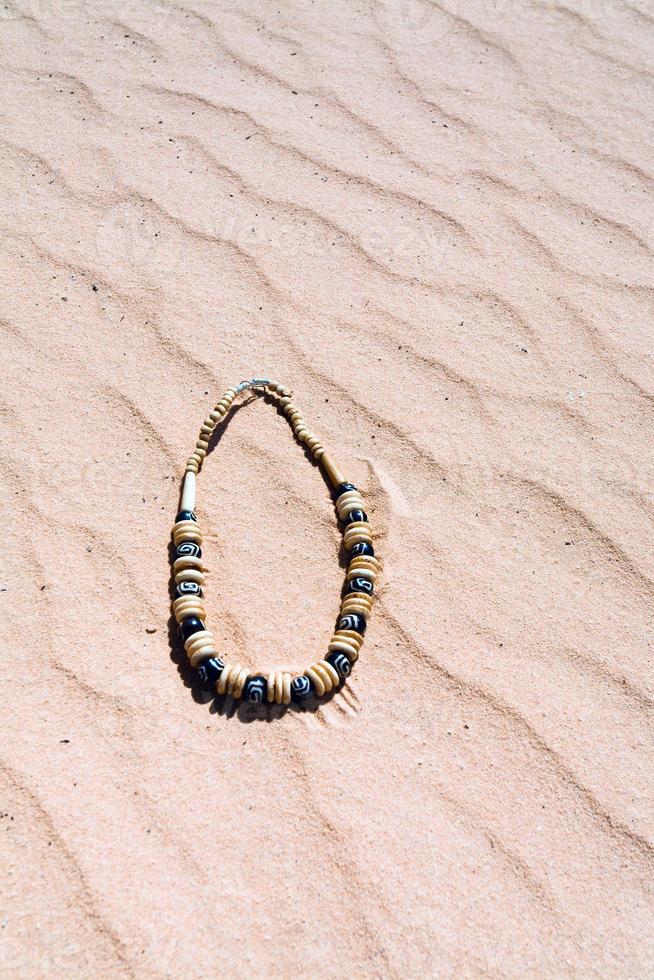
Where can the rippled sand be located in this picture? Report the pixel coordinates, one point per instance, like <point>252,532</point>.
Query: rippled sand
<point>434,222</point>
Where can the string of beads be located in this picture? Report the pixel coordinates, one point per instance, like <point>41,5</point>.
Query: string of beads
<point>279,686</point>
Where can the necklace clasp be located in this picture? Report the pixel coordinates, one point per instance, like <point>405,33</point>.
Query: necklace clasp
<point>251,385</point>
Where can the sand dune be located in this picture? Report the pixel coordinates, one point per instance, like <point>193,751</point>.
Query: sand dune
<point>434,222</point>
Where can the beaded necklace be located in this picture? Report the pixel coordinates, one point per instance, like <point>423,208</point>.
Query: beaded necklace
<point>279,686</point>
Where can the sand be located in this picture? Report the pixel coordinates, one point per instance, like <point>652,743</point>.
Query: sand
<point>434,222</point>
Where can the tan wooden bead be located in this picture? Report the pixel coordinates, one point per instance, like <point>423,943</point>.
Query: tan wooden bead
<point>356,535</point>
<point>187,561</point>
<point>312,442</point>
<point>202,445</point>
<point>207,427</point>
<point>361,572</point>
<point>196,640</point>
<point>187,534</point>
<point>185,526</point>
<point>189,575</point>
<point>360,597</point>
<point>187,602</point>
<point>278,688</point>
<point>358,526</point>
<point>355,526</point>
<point>232,679</point>
<point>347,496</point>
<point>350,636</point>
<point>222,684</point>
<point>317,681</point>
<point>327,671</point>
<point>364,561</point>
<point>324,677</point>
<point>240,681</point>
<point>351,606</point>
<point>200,639</point>
<point>183,537</point>
<point>204,643</point>
<point>332,470</point>
<point>198,611</point>
<point>349,507</point>
<point>365,570</point>
<point>351,500</point>
<point>355,605</point>
<point>319,452</point>
<point>200,451</point>
<point>216,415</point>
<point>342,646</point>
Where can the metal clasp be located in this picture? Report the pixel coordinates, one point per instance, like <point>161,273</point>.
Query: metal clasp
<point>251,385</point>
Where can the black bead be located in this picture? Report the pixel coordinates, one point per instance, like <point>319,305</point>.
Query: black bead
<point>190,626</point>
<point>255,690</point>
<point>187,588</point>
<point>362,548</point>
<point>356,515</point>
<point>210,670</point>
<point>340,663</point>
<point>354,622</point>
<point>187,549</point>
<point>185,515</point>
<point>343,488</point>
<point>359,585</point>
<point>301,688</point>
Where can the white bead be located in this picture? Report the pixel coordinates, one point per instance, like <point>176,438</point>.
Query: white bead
<point>188,493</point>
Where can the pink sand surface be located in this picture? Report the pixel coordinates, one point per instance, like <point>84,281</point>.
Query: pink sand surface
<point>434,222</point>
